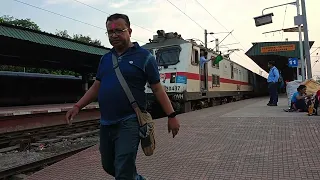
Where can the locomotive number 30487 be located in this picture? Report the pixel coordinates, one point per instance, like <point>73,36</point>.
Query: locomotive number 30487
<point>172,88</point>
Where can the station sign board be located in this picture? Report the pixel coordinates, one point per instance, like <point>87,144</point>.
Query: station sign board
<point>293,62</point>
<point>263,20</point>
<point>268,49</point>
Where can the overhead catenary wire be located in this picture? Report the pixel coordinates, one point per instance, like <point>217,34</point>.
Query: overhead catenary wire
<point>204,28</point>
<point>218,22</point>
<point>314,64</point>
<point>226,30</point>
<point>284,19</point>
<point>186,15</point>
<point>315,50</point>
<point>189,17</point>
<point>109,14</point>
<point>67,17</point>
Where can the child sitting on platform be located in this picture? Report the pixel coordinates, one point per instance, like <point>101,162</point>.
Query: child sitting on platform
<point>298,100</point>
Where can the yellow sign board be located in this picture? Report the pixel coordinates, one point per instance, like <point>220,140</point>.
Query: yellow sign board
<point>267,49</point>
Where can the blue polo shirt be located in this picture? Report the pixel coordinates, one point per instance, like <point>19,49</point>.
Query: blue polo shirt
<point>138,66</point>
<point>273,75</point>
<point>294,97</point>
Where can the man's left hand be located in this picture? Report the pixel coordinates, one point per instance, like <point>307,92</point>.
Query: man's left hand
<point>173,125</point>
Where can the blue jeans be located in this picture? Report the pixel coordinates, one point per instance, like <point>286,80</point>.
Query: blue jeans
<point>273,92</point>
<point>118,147</point>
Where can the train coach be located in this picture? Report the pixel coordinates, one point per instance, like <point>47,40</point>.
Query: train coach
<point>20,88</point>
<point>188,86</point>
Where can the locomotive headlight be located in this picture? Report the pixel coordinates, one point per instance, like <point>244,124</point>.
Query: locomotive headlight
<point>173,78</point>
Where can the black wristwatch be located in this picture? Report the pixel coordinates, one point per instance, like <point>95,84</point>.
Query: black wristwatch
<point>172,115</point>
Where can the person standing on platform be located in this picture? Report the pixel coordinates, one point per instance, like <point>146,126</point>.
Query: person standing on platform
<point>119,131</point>
<point>273,79</point>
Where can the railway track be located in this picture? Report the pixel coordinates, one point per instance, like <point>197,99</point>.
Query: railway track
<point>22,139</point>
<point>38,164</point>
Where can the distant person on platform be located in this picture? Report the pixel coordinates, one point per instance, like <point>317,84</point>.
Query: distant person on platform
<point>281,84</point>
<point>273,79</point>
<point>119,130</point>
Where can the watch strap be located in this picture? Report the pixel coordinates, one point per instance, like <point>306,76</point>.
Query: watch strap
<point>172,115</point>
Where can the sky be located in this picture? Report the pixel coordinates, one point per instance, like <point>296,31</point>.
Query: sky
<point>147,16</point>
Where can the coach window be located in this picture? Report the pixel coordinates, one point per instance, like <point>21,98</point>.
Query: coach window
<point>250,77</point>
<point>195,57</point>
<point>215,80</point>
<point>217,65</point>
<point>232,72</point>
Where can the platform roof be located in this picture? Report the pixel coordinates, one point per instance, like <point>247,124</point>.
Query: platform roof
<point>31,48</point>
<point>262,52</point>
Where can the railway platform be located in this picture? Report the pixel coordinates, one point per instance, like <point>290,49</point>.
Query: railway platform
<point>240,140</point>
<point>38,109</point>
<point>19,118</point>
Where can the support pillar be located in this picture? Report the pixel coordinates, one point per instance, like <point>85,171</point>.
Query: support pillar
<point>85,80</point>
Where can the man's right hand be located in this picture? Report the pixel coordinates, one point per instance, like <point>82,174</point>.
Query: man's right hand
<point>71,114</point>
<point>173,125</point>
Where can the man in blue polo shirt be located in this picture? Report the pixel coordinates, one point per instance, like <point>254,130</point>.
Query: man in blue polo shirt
<point>119,131</point>
<point>273,83</point>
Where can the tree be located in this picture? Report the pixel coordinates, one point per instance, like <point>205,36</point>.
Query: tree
<point>63,34</point>
<point>26,23</point>
<point>86,39</point>
<point>79,37</point>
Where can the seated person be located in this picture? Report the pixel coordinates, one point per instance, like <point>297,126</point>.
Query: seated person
<point>298,102</point>
<point>316,102</point>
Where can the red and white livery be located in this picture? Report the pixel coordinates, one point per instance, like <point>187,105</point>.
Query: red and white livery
<point>187,85</point>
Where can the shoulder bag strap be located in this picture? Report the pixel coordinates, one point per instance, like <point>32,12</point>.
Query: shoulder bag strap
<point>124,84</point>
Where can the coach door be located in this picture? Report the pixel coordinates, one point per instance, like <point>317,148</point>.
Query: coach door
<point>203,72</point>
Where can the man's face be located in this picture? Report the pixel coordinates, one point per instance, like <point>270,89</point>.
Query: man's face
<point>269,65</point>
<point>118,33</point>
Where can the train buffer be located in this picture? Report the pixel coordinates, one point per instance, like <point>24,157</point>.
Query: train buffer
<point>240,140</point>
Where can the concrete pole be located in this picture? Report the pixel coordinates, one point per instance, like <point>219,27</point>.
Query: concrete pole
<point>303,74</point>
<point>205,38</point>
<point>306,39</point>
<point>85,85</point>
<point>217,45</point>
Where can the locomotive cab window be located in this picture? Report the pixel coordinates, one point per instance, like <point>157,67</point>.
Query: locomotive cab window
<point>195,57</point>
<point>168,55</point>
